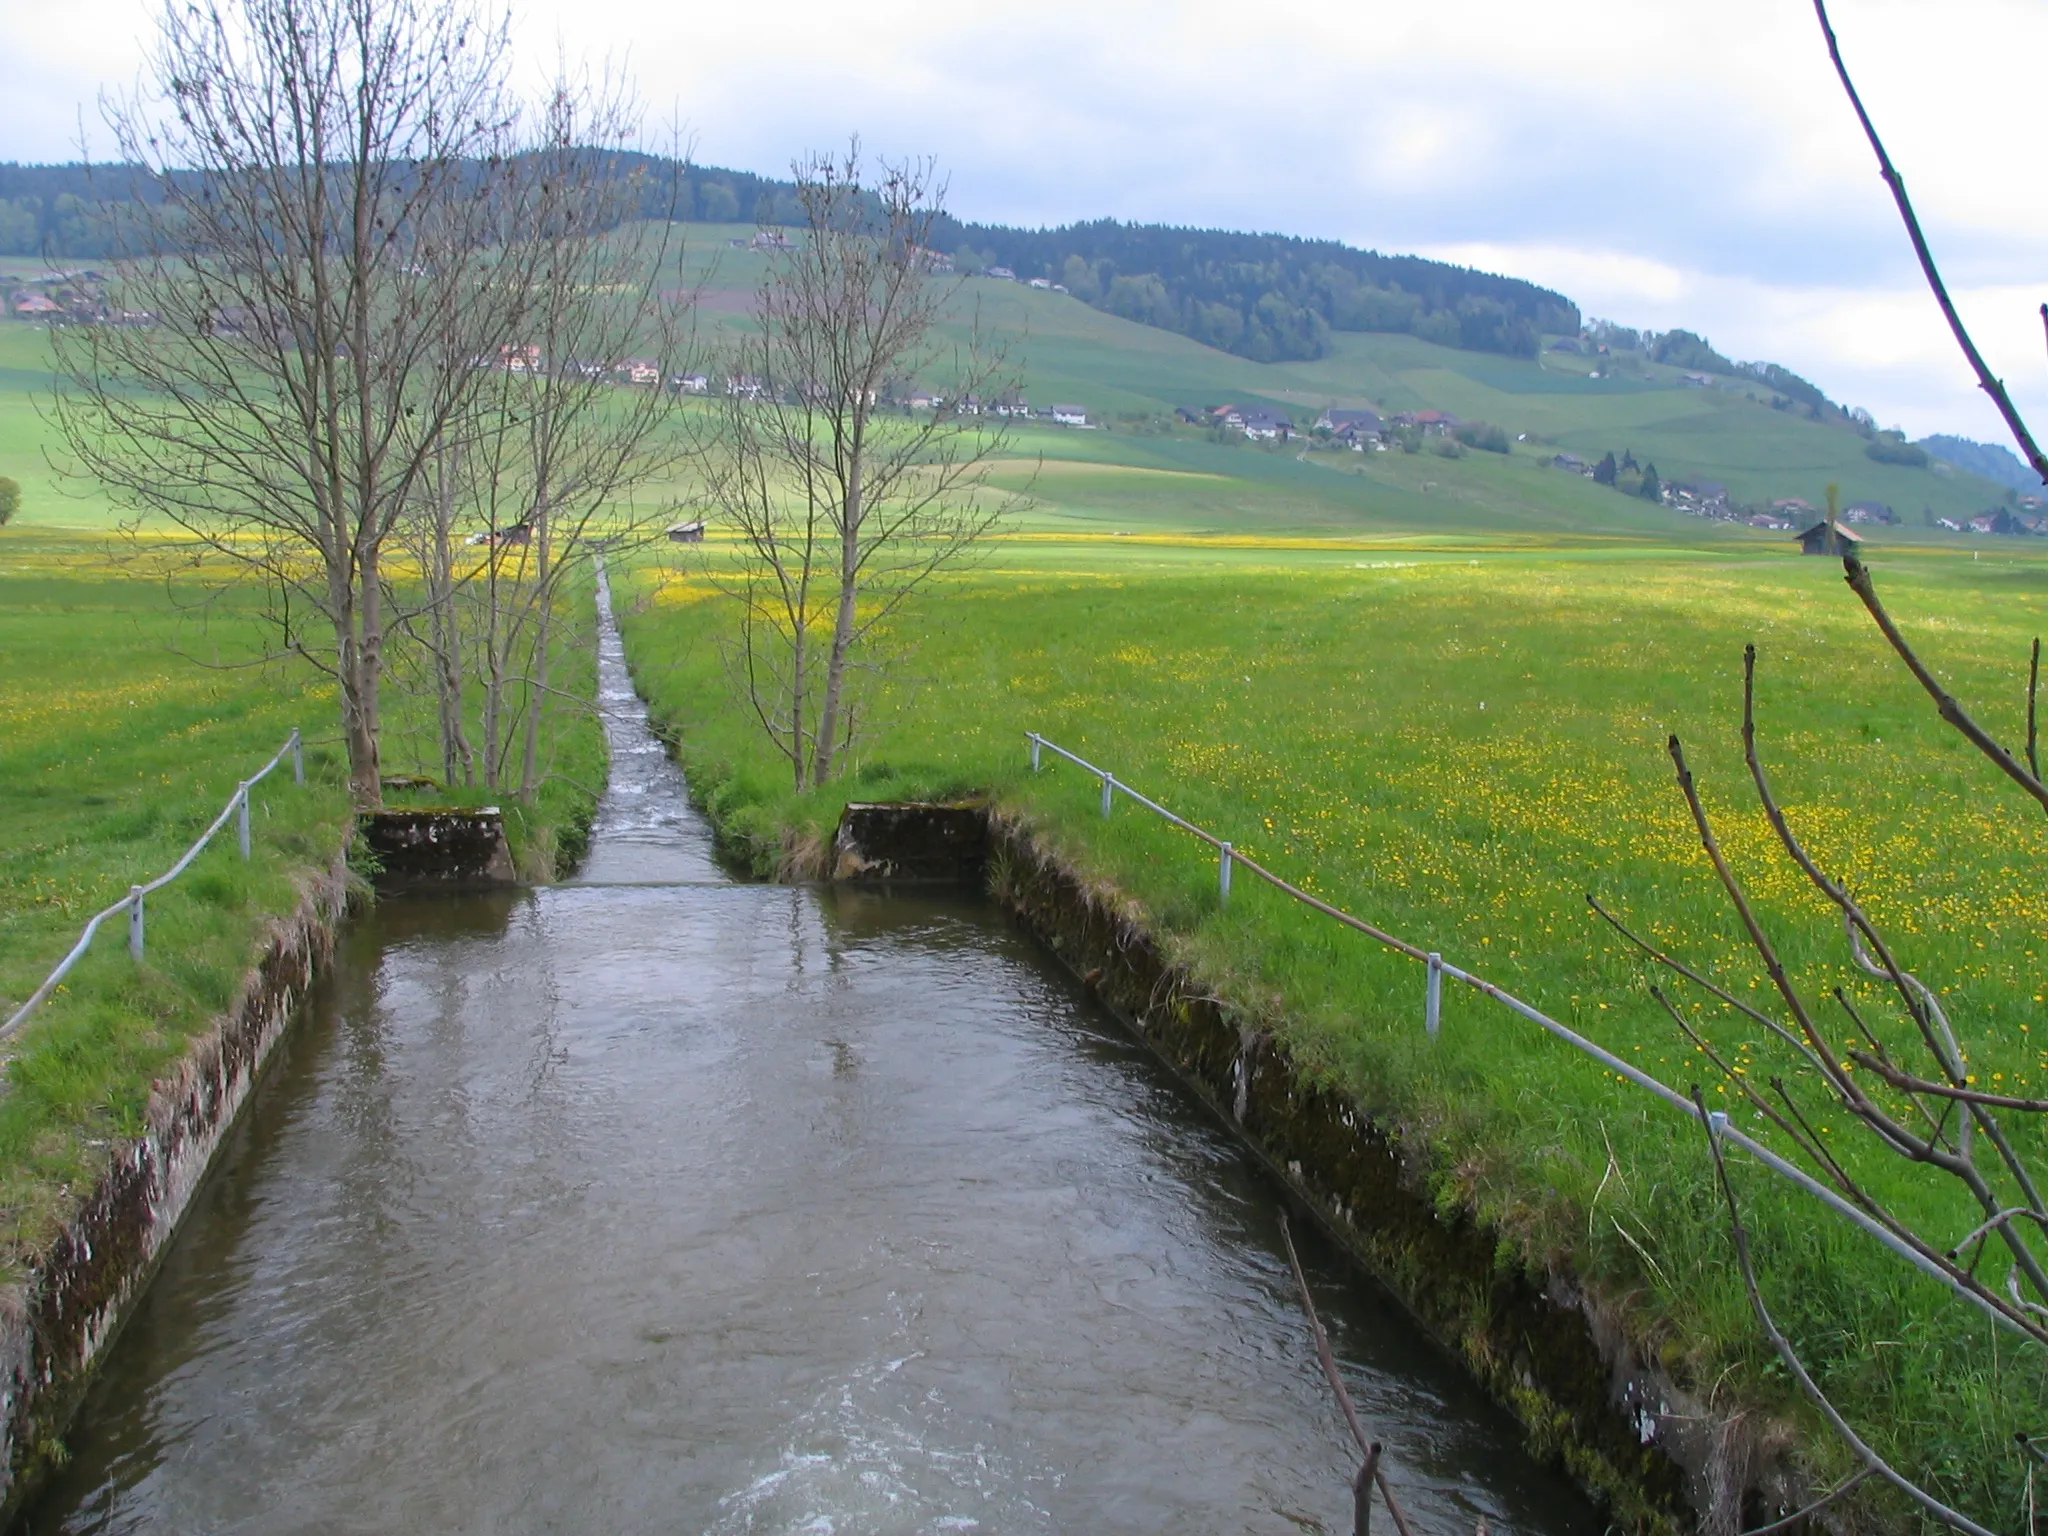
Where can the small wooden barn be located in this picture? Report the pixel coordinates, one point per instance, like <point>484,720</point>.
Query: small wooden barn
<point>687,533</point>
<point>1826,538</point>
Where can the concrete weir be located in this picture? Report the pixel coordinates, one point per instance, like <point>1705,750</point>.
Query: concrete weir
<point>1544,1345</point>
<point>439,850</point>
<point>58,1319</point>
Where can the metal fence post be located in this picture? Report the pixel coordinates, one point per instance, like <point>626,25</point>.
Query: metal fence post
<point>1034,750</point>
<point>135,922</point>
<point>1432,1015</point>
<point>1223,873</point>
<point>1108,789</point>
<point>242,820</point>
<point>298,758</point>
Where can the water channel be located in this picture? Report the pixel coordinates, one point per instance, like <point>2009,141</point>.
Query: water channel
<point>661,1202</point>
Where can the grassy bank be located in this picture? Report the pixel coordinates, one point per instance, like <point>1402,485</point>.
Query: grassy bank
<point>126,720</point>
<point>1459,746</point>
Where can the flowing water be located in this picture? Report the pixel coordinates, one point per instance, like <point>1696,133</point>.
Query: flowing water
<point>660,1202</point>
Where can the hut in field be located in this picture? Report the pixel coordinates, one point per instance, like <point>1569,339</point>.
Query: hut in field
<point>1826,538</point>
<point>686,533</point>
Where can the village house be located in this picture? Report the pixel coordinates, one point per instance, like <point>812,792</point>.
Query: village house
<point>1069,415</point>
<point>1826,538</point>
<point>640,370</point>
<point>1003,273</point>
<point>1572,462</point>
<point>1428,423</point>
<point>771,240</point>
<point>1262,425</point>
<point>1702,498</point>
<point>1868,512</point>
<point>691,384</point>
<point>1791,506</point>
<point>33,306</point>
<point>744,386</point>
<point>516,357</point>
<point>1998,521</point>
<point>1041,282</point>
<point>1339,422</point>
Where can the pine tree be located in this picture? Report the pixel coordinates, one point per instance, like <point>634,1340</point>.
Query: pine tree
<point>1604,471</point>
<point>1653,488</point>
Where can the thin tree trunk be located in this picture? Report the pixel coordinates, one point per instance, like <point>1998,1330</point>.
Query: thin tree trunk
<point>842,626</point>
<point>537,683</point>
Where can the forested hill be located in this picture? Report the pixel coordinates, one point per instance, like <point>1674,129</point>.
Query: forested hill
<point>1270,298</point>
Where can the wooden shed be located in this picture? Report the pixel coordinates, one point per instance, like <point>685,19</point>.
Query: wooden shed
<point>1826,538</point>
<point>686,533</point>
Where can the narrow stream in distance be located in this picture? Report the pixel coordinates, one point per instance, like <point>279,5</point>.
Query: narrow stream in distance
<point>659,1202</point>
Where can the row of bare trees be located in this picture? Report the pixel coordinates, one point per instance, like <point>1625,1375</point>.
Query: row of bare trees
<point>365,349</point>
<point>365,345</point>
<point>340,355</point>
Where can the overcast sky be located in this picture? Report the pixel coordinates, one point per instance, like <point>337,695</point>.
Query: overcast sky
<point>1663,162</point>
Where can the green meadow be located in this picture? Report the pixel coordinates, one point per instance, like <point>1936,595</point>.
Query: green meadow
<point>1433,691</point>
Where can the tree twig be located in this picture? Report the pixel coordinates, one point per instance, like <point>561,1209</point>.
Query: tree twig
<point>1790,1357</point>
<point>1986,380</point>
<point>1367,1448</point>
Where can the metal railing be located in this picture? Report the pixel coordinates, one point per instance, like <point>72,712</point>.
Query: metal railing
<point>133,902</point>
<point>1437,968</point>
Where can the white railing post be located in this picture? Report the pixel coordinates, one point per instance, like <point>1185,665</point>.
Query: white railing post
<point>1432,1013</point>
<point>135,923</point>
<point>298,758</point>
<point>1108,790</point>
<point>1223,873</point>
<point>242,821</point>
<point>1034,751</point>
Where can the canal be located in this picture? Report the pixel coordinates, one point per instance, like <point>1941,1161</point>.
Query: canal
<point>659,1201</point>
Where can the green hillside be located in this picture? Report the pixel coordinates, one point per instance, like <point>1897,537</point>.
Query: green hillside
<point>1132,377</point>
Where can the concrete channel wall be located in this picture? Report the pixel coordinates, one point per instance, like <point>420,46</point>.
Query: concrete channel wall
<point>57,1320</point>
<point>1554,1353</point>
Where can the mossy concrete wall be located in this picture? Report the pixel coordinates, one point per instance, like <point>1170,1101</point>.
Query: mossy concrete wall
<point>57,1321</point>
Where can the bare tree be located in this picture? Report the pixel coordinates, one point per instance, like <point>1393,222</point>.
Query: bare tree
<point>845,505</point>
<point>327,262</point>
<point>571,431</point>
<point>1898,1069</point>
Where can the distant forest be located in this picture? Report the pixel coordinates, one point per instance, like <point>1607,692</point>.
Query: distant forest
<point>1994,461</point>
<point>1270,298</point>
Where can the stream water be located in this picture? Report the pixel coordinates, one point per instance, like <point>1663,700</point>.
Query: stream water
<point>657,1201</point>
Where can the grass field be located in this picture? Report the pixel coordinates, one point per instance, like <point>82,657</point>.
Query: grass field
<point>1459,746</point>
<point>116,752</point>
